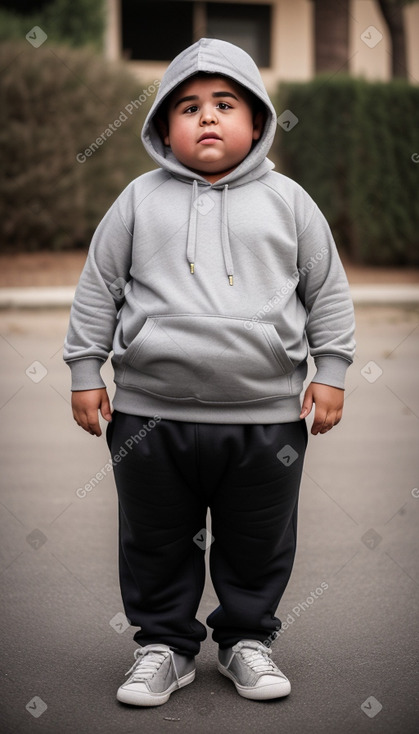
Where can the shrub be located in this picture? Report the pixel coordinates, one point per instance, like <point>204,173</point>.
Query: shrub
<point>354,150</point>
<point>74,22</point>
<point>56,102</point>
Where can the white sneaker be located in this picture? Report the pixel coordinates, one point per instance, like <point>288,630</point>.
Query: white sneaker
<point>156,673</point>
<point>252,671</point>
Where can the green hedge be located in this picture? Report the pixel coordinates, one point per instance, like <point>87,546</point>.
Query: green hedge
<point>355,149</point>
<point>73,22</point>
<point>56,181</point>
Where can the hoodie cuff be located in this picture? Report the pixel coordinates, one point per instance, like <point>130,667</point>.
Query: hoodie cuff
<point>85,374</point>
<point>331,371</point>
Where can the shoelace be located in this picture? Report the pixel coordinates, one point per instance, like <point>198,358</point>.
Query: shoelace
<point>258,660</point>
<point>146,664</point>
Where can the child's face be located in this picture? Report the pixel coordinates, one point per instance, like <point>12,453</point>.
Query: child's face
<point>210,126</point>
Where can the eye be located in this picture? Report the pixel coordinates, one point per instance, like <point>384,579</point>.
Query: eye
<point>191,109</point>
<point>224,106</point>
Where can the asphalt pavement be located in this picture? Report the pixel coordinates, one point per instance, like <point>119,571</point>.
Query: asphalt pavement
<point>349,643</point>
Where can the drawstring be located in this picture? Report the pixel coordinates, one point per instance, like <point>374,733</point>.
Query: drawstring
<point>191,246</point>
<point>192,230</point>
<point>225,241</point>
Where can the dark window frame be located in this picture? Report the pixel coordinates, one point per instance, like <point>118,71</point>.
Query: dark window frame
<point>172,36</point>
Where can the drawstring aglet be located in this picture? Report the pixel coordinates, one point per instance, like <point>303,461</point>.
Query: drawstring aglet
<point>230,279</point>
<point>192,266</point>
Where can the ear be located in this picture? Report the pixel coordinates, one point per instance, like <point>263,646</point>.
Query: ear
<point>163,129</point>
<point>258,123</point>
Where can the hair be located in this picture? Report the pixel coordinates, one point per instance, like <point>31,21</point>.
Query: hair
<point>253,101</point>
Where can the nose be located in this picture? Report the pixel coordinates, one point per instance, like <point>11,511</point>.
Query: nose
<point>208,116</point>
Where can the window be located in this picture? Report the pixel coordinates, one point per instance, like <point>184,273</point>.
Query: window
<point>248,26</point>
<point>158,30</point>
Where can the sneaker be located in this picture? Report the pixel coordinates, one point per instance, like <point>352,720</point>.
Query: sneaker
<point>156,673</point>
<point>252,671</point>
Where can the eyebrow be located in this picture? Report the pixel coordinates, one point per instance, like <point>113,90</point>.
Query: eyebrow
<point>195,97</point>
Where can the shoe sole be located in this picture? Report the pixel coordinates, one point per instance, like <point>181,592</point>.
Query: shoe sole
<point>261,693</point>
<point>135,698</point>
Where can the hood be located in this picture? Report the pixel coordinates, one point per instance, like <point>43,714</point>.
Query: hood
<point>215,57</point>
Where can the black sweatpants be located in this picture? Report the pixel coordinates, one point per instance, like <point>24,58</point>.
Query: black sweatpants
<point>168,473</point>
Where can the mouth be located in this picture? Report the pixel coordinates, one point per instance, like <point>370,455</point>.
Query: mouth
<point>209,136</point>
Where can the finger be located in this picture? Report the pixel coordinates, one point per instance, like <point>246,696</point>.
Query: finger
<point>105,409</point>
<point>94,427</point>
<point>320,422</point>
<point>331,420</point>
<point>326,427</point>
<point>307,405</point>
<point>88,420</point>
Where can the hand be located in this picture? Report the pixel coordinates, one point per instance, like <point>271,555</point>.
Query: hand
<point>85,404</point>
<point>329,406</point>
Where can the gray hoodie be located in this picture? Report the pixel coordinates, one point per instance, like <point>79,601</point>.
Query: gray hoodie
<point>229,342</point>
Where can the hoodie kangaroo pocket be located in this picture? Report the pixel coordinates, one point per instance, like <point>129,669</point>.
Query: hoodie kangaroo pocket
<point>211,359</point>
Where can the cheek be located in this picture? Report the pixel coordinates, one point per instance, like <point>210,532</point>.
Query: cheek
<point>181,147</point>
<point>242,140</point>
<point>241,131</point>
<point>180,137</point>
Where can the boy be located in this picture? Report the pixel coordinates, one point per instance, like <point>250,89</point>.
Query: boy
<point>209,278</point>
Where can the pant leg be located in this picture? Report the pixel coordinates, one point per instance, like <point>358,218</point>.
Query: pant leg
<point>161,569</point>
<point>254,524</point>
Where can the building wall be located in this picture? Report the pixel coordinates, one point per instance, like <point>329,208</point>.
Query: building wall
<point>293,44</point>
<point>375,63</point>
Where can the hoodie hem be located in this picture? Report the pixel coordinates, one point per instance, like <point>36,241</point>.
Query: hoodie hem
<point>282,410</point>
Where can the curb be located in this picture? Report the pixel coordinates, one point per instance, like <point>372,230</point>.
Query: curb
<point>53,297</point>
<point>62,296</point>
<point>385,295</point>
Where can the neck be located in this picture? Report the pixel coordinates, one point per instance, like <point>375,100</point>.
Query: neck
<point>214,177</point>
